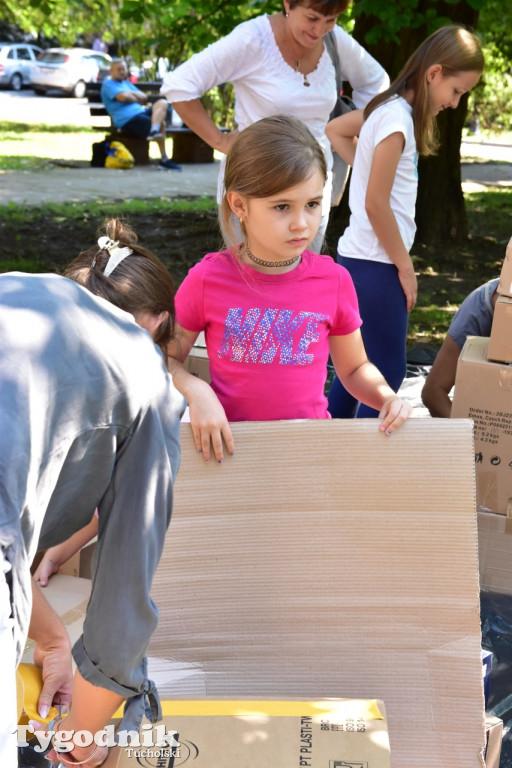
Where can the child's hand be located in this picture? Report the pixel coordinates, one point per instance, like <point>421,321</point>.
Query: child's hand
<point>409,283</point>
<point>393,414</point>
<point>46,568</point>
<point>209,423</point>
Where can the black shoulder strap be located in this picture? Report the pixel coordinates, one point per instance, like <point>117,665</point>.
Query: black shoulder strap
<point>332,49</point>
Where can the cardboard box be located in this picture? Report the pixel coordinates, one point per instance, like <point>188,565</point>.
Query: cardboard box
<point>505,286</point>
<point>500,344</point>
<point>80,564</point>
<point>253,734</point>
<point>493,736</point>
<point>495,552</point>
<point>324,560</point>
<point>483,392</point>
<point>197,362</point>
<point>68,596</point>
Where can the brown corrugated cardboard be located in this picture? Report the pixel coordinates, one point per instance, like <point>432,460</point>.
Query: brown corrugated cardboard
<point>80,563</point>
<point>500,344</point>
<point>494,735</point>
<point>326,560</point>
<point>197,362</point>
<point>505,286</point>
<point>68,596</point>
<point>483,392</point>
<point>495,552</point>
<point>253,734</point>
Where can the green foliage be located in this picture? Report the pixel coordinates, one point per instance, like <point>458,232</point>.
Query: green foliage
<point>446,275</point>
<point>178,28</point>
<point>402,15</point>
<point>491,100</point>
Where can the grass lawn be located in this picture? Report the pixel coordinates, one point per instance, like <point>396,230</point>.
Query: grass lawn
<point>181,232</point>
<point>32,147</point>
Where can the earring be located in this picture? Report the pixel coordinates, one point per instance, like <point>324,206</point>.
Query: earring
<point>241,219</point>
<point>286,15</point>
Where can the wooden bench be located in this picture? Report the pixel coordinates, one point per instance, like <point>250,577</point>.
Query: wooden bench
<point>187,146</point>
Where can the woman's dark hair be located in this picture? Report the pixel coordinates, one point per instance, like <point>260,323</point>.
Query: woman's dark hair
<point>325,7</point>
<point>139,283</point>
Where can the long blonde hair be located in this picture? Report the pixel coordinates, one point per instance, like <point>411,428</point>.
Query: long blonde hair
<point>266,158</point>
<point>455,49</point>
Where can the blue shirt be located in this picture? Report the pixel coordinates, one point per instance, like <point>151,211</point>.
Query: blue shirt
<point>475,314</point>
<point>121,112</point>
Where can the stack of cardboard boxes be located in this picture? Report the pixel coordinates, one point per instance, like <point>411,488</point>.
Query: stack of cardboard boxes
<point>483,392</point>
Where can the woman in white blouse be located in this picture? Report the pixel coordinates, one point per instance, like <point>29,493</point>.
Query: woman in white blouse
<point>278,65</point>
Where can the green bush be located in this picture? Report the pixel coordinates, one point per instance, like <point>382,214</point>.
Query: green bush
<point>491,100</point>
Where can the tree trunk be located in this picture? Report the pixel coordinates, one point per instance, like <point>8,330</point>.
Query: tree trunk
<point>440,213</point>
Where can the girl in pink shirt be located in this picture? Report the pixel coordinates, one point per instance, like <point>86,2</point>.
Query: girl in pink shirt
<point>272,310</point>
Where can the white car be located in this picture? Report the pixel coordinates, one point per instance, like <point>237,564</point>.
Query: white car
<point>16,60</point>
<point>69,70</point>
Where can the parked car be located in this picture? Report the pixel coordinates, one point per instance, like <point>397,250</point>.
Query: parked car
<point>69,70</point>
<point>16,60</point>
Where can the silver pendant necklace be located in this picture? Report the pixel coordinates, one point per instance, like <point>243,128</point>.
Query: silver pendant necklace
<point>263,263</point>
<point>305,81</point>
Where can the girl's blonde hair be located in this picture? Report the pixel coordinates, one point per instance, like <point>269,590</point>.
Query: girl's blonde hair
<point>266,158</point>
<point>140,283</point>
<point>456,50</point>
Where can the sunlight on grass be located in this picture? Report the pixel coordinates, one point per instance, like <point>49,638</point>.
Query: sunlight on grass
<point>60,146</point>
<point>23,147</point>
<point>7,127</point>
<point>61,212</point>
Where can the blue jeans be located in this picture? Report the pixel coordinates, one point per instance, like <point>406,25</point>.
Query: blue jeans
<point>383,309</point>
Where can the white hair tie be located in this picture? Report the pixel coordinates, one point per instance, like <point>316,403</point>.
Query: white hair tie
<point>116,255</point>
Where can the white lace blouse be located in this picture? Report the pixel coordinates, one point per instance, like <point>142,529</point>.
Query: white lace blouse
<point>266,85</point>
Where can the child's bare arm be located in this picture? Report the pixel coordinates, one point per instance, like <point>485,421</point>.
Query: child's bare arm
<point>208,420</point>
<point>343,131</point>
<point>365,382</point>
<point>436,390</point>
<point>380,214</point>
<point>54,557</point>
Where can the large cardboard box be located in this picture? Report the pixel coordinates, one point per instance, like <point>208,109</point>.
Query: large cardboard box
<point>494,735</point>
<point>80,564</point>
<point>495,552</point>
<point>197,362</point>
<point>500,344</point>
<point>253,734</point>
<point>505,286</point>
<point>68,596</point>
<point>324,560</point>
<point>483,392</point>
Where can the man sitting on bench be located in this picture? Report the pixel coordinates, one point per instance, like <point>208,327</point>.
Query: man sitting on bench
<point>129,109</point>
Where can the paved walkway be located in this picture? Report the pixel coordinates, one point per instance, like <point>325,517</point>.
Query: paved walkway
<point>83,183</point>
